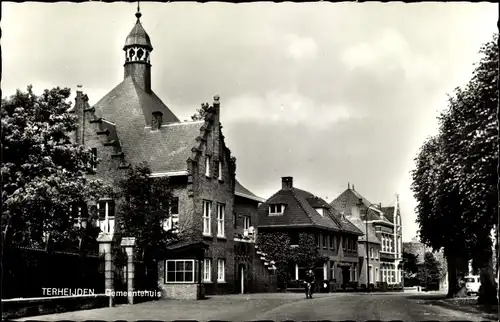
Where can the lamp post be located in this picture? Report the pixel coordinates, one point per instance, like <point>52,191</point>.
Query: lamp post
<point>367,247</point>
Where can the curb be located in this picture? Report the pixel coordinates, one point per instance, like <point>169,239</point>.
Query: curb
<point>489,316</point>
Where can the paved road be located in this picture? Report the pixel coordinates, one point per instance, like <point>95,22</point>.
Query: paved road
<point>279,307</point>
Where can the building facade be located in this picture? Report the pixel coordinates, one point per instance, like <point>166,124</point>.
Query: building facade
<point>294,211</point>
<point>130,125</point>
<point>384,235</point>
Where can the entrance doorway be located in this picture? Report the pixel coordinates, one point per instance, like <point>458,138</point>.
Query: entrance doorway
<point>346,275</point>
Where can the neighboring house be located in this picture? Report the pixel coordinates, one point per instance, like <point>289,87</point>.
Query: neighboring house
<point>371,244</point>
<point>131,124</point>
<point>387,225</point>
<point>295,211</point>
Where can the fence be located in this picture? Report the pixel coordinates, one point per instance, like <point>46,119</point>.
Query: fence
<point>29,273</point>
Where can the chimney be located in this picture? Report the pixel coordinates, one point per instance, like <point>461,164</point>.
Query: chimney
<point>156,121</point>
<point>353,188</point>
<point>348,185</point>
<point>79,111</point>
<point>380,205</point>
<point>286,183</point>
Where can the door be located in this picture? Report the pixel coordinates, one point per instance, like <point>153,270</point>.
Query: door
<point>346,275</point>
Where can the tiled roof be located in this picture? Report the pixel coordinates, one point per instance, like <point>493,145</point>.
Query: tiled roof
<point>300,212</point>
<point>128,103</point>
<point>360,224</point>
<point>345,222</point>
<point>351,197</point>
<point>389,213</point>
<point>241,191</point>
<point>138,37</point>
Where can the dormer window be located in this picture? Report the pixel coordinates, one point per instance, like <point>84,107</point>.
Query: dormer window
<point>276,209</point>
<point>320,211</point>
<point>207,166</point>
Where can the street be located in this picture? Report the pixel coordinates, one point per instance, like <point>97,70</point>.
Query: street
<point>280,307</point>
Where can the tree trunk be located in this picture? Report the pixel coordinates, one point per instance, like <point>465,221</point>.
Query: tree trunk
<point>452,276</point>
<point>487,291</point>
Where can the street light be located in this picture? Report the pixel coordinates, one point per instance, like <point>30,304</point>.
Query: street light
<point>367,247</point>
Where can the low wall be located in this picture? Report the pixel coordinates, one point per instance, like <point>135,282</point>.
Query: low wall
<point>182,291</point>
<point>26,307</point>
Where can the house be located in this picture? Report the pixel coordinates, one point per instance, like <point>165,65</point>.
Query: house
<point>293,211</point>
<point>130,125</point>
<point>386,224</point>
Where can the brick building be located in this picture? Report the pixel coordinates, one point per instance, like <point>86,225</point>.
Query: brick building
<point>295,211</point>
<point>210,207</point>
<point>385,224</point>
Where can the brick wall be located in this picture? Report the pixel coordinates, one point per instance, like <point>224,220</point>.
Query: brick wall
<point>191,291</point>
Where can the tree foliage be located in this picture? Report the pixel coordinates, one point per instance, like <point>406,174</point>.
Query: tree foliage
<point>455,179</point>
<point>44,187</point>
<point>430,273</point>
<point>144,206</point>
<point>278,247</point>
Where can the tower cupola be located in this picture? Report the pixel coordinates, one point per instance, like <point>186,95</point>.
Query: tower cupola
<point>138,50</point>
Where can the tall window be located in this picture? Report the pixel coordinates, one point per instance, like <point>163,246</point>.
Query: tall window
<point>276,209</point>
<point>106,210</point>
<point>220,220</point>
<point>207,166</point>
<point>172,222</point>
<point>92,163</point>
<point>180,271</point>
<point>344,243</point>
<point>207,214</point>
<point>207,270</point>
<point>221,268</point>
<point>332,242</point>
<point>377,277</point>
<point>371,252</point>
<point>246,222</point>
<point>220,170</point>
<point>318,240</point>
<point>325,241</point>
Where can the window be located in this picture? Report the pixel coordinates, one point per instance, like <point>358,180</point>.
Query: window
<point>221,209</point>
<point>320,211</point>
<point>106,212</point>
<point>318,240</point>
<point>221,267</point>
<point>235,220</point>
<point>207,214</point>
<point>246,222</point>
<point>376,274</point>
<point>332,242</point>
<point>325,241</point>
<point>220,170</point>
<point>276,209</point>
<point>371,252</point>
<point>174,206</point>
<point>376,253</point>
<point>180,271</point>
<point>207,166</point>
<point>344,244</point>
<point>207,270</point>
<point>92,163</point>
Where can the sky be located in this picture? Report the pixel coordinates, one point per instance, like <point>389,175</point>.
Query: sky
<point>328,93</point>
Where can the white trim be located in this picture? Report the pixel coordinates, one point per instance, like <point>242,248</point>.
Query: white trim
<point>209,279</point>
<point>177,123</point>
<point>104,120</point>
<point>193,271</point>
<point>243,195</point>
<point>169,174</point>
<point>221,278</point>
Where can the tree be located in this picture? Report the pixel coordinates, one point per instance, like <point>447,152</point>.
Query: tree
<point>455,180</point>
<point>410,268</point>
<point>278,247</point>
<point>144,207</point>
<point>201,112</point>
<point>44,187</point>
<point>431,271</point>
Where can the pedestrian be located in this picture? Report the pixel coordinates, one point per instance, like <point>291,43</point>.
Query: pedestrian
<point>309,283</point>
